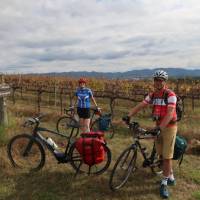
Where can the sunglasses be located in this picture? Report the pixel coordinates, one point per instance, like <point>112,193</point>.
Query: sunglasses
<point>159,79</point>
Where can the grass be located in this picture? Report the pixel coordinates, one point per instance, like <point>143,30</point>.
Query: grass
<point>196,195</point>
<point>55,181</point>
<point>2,134</point>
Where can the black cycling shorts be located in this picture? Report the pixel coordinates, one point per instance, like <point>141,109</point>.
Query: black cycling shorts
<point>83,113</point>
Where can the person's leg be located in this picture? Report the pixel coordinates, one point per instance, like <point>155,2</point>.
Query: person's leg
<point>82,126</point>
<point>87,119</point>
<point>84,119</point>
<point>169,135</point>
<point>86,123</point>
<point>167,167</point>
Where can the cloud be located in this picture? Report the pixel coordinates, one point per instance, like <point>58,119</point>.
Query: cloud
<point>76,55</point>
<point>49,43</point>
<point>103,35</point>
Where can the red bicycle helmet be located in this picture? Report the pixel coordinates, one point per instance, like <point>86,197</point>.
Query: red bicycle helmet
<point>82,80</point>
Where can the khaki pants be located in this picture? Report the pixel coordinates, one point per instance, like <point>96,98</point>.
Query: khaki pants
<point>165,142</point>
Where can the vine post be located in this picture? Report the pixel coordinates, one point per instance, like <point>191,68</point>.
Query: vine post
<point>4,91</point>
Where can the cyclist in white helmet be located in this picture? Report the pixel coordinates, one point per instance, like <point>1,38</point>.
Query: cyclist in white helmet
<point>164,114</point>
<point>160,74</point>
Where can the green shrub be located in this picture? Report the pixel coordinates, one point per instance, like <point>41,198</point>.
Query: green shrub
<point>196,195</point>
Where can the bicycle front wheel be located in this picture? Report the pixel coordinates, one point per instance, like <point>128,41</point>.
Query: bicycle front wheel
<point>66,125</point>
<point>26,153</point>
<point>124,166</point>
<point>78,164</point>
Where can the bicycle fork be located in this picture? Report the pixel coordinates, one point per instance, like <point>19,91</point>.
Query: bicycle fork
<point>126,163</point>
<point>28,148</point>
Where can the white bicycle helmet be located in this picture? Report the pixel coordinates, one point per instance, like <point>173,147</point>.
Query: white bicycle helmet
<point>160,74</point>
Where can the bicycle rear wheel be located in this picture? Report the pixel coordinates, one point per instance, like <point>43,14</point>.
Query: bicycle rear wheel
<point>124,166</point>
<point>66,125</point>
<point>80,167</point>
<point>26,153</point>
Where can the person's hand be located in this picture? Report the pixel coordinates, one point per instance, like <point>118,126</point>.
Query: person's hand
<point>126,119</point>
<point>98,109</point>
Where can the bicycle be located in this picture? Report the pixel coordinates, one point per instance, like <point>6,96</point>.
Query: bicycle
<point>27,151</point>
<point>64,123</point>
<point>126,162</point>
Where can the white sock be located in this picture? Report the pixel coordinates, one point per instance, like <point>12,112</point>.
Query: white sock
<point>164,181</point>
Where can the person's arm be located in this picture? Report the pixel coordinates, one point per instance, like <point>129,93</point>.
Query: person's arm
<point>137,108</point>
<point>93,99</point>
<point>168,117</point>
<point>172,100</point>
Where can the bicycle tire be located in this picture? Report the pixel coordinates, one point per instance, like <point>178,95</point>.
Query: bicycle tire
<point>108,134</point>
<point>35,158</point>
<point>80,167</point>
<point>123,169</point>
<point>65,125</point>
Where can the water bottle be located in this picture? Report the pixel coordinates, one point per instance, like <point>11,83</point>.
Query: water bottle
<point>52,143</point>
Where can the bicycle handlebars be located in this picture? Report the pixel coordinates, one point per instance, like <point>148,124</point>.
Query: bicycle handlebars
<point>33,120</point>
<point>135,127</point>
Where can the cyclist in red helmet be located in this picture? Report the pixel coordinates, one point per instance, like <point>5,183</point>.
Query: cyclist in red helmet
<point>82,80</point>
<point>84,95</point>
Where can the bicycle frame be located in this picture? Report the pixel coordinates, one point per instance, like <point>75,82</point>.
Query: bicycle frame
<point>148,160</point>
<point>38,136</point>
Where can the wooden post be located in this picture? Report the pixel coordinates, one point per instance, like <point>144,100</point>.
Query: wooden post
<point>177,86</point>
<point>193,97</point>
<point>39,93</point>
<point>13,94</point>
<point>61,101</point>
<point>112,105</point>
<point>4,91</point>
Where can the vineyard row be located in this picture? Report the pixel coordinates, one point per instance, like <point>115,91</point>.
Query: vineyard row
<point>59,95</point>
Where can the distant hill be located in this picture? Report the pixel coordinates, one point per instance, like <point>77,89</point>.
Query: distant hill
<point>143,73</point>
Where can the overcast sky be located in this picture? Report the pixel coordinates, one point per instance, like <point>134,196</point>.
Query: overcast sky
<point>102,35</point>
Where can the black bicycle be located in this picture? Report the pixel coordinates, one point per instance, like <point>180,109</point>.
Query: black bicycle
<point>27,151</point>
<point>64,123</point>
<point>127,161</point>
